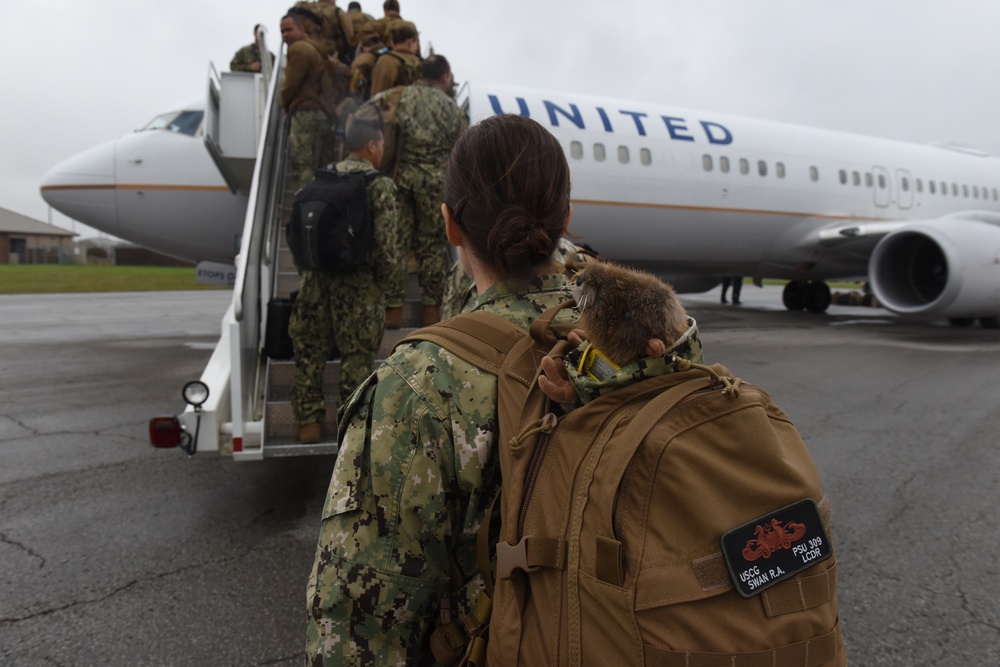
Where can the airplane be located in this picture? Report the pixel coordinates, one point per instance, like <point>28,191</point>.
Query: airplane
<point>157,187</point>
<point>689,195</point>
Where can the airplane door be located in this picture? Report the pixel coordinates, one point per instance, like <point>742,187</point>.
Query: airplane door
<point>882,186</point>
<point>904,186</point>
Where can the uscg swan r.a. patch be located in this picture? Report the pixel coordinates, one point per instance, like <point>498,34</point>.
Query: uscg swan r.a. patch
<point>775,547</point>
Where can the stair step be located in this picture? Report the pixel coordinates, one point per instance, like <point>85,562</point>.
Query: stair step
<point>281,421</point>
<point>283,446</point>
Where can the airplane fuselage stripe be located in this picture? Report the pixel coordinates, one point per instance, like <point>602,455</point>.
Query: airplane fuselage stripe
<point>711,209</point>
<point>198,188</point>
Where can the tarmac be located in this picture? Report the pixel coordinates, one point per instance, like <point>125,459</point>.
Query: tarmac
<point>114,553</point>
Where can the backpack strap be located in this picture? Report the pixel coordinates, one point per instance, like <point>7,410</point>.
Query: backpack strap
<point>480,338</point>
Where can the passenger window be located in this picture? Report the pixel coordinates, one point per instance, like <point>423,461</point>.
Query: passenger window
<point>965,190</point>
<point>779,169</point>
<point>843,177</point>
<point>881,182</point>
<point>814,174</point>
<point>920,185</point>
<point>599,154</point>
<point>706,162</point>
<point>868,180</point>
<point>954,189</point>
<point>930,184</point>
<point>645,156</point>
<point>906,184</point>
<point>761,167</point>
<point>623,155</point>
<point>855,178</point>
<point>744,166</point>
<point>975,192</point>
<point>724,164</point>
<point>576,150</point>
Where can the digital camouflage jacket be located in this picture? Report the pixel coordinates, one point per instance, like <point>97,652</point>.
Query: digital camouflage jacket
<point>413,479</point>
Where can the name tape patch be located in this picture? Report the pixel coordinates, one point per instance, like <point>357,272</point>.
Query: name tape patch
<point>776,546</point>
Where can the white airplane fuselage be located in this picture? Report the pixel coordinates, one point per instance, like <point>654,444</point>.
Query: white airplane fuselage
<point>158,188</point>
<point>687,194</point>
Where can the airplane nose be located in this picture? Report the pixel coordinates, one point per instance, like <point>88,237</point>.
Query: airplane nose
<point>83,188</point>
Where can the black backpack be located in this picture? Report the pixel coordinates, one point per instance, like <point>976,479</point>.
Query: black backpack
<point>331,227</point>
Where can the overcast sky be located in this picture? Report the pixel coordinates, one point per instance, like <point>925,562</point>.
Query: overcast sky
<point>80,73</point>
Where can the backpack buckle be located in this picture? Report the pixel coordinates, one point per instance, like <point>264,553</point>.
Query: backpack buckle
<point>512,557</point>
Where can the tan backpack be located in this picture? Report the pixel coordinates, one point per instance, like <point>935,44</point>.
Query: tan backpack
<point>677,521</point>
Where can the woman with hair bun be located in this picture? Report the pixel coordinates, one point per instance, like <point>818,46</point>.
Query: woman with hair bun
<point>418,465</point>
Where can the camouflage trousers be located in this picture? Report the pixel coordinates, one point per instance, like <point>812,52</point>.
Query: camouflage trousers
<point>421,229</point>
<point>344,312</point>
<point>311,145</point>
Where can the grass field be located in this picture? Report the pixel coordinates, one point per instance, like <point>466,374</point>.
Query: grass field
<point>51,278</point>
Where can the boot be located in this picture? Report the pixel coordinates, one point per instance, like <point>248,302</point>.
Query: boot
<point>432,314</point>
<point>309,434</point>
<point>393,317</point>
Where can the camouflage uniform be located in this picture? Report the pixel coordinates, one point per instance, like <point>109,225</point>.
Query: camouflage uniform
<point>415,474</point>
<point>311,141</point>
<point>245,57</point>
<point>311,145</point>
<point>345,311</point>
<point>460,292</point>
<point>431,122</point>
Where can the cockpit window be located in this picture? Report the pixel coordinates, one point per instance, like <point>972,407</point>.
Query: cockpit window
<point>183,122</point>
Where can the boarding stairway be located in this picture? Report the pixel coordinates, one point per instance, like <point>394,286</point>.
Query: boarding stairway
<point>281,427</point>
<point>248,413</point>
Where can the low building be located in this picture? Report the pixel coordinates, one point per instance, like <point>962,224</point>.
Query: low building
<point>24,240</point>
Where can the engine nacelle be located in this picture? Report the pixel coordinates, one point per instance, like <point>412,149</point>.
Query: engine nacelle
<point>948,267</point>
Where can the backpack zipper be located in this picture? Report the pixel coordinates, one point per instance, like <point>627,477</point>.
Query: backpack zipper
<point>535,467</point>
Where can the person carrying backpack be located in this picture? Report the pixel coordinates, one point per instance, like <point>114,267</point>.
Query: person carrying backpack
<point>418,466</point>
<point>603,556</point>
<point>345,310</point>
<point>311,91</point>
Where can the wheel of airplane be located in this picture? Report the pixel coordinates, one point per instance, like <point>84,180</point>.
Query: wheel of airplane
<point>961,322</point>
<point>794,295</point>
<point>817,296</point>
<point>990,322</point>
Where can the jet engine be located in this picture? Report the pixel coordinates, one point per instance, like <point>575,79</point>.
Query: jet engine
<point>947,267</point>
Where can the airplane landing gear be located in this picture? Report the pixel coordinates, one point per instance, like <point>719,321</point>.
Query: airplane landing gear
<point>984,322</point>
<point>811,295</point>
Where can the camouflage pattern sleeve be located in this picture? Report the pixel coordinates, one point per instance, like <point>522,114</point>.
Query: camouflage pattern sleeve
<point>243,59</point>
<point>414,466</point>
<point>385,210</point>
<point>432,123</point>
